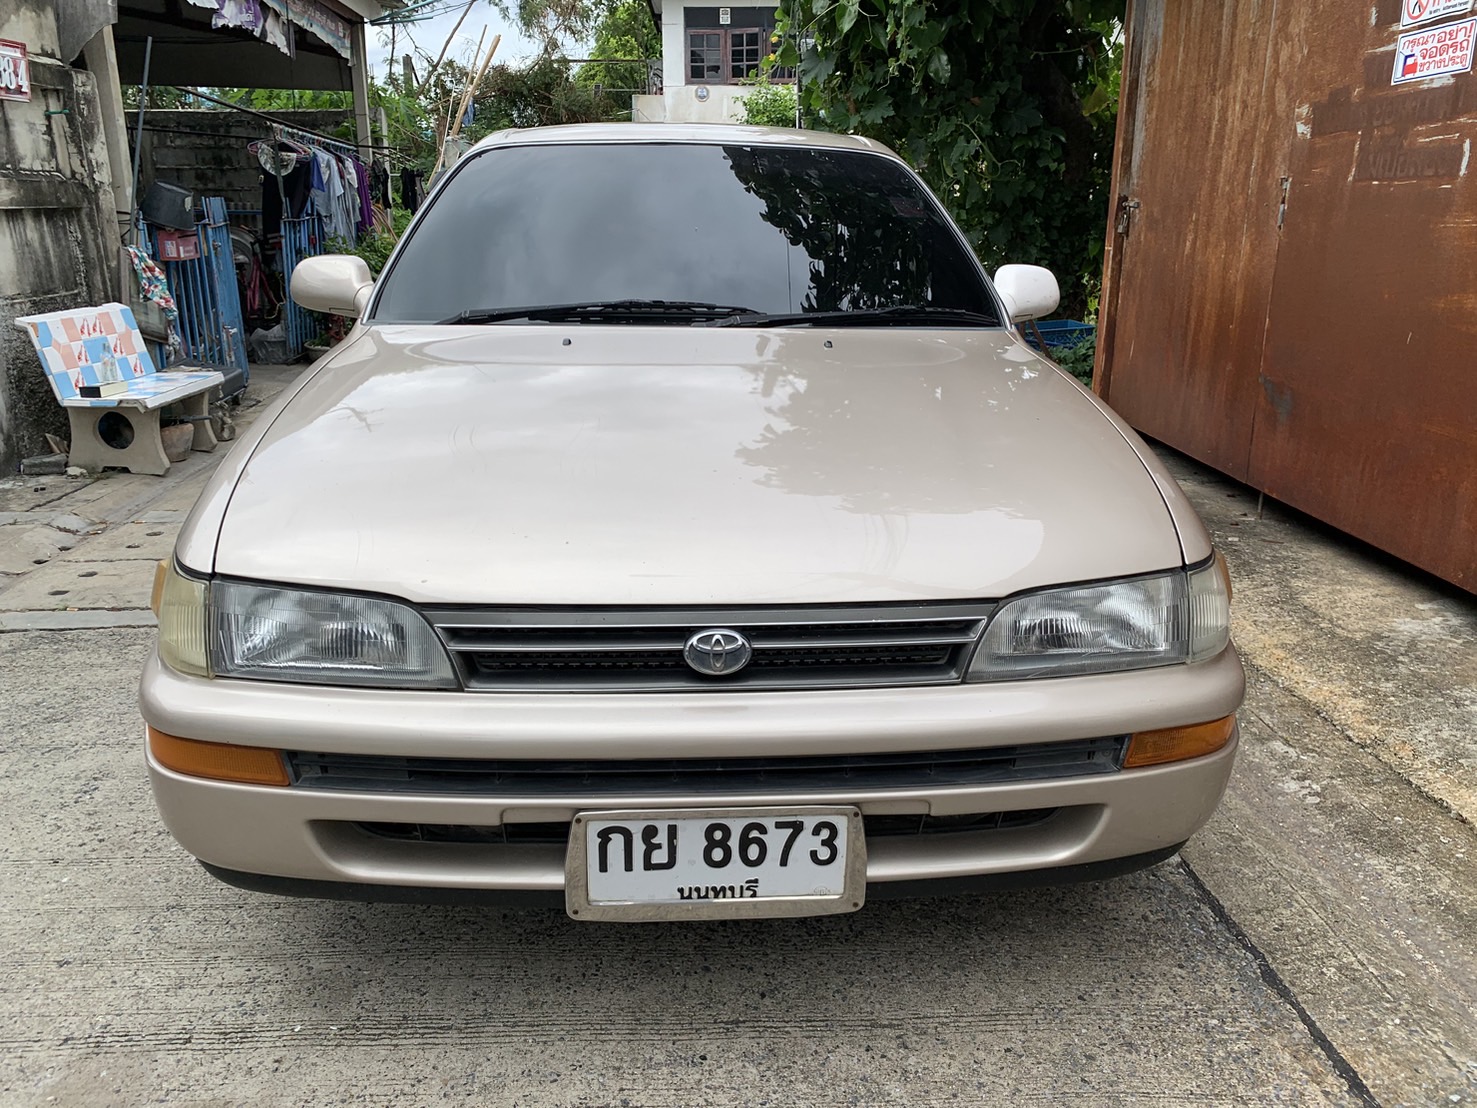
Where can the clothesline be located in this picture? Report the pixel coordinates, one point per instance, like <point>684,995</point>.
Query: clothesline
<point>381,150</point>
<point>308,138</point>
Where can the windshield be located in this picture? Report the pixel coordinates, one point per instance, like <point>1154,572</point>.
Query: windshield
<point>762,229</point>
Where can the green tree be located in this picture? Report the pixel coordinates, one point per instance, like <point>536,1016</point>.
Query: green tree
<point>556,25</point>
<point>627,30</point>
<point>1006,107</point>
<point>540,94</point>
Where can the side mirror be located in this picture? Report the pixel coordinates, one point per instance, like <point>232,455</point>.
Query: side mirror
<point>1029,291</point>
<point>336,283</point>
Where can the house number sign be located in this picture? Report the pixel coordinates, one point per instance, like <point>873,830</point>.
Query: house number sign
<point>15,71</point>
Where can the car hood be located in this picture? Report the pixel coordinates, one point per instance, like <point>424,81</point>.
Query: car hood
<point>673,465</point>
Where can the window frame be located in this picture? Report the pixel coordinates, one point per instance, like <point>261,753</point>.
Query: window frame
<point>725,54</point>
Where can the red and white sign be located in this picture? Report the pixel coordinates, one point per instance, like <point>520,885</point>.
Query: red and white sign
<point>1415,12</point>
<point>15,71</point>
<point>1421,55</point>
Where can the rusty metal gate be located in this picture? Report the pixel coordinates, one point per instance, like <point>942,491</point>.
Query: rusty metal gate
<point>1290,293</point>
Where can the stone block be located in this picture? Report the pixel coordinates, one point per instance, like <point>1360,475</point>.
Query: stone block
<point>44,465</point>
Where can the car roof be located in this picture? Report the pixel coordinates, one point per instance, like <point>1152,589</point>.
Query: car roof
<point>714,133</point>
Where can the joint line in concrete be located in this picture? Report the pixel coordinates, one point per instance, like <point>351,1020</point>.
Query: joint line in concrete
<point>1274,981</point>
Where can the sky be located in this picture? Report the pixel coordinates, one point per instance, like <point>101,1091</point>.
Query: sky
<point>429,34</point>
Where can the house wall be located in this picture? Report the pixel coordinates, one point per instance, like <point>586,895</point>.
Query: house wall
<point>678,102</point>
<point>674,72</point>
<point>57,219</point>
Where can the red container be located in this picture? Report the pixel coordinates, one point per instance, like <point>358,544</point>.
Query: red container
<point>178,246</point>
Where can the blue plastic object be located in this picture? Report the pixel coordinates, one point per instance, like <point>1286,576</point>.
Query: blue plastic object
<point>1058,334</point>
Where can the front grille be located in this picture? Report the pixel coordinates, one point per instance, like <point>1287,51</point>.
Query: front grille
<point>641,649</point>
<point>592,780</point>
<point>519,834</point>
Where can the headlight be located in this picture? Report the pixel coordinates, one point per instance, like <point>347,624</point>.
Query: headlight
<point>279,634</point>
<point>228,629</point>
<point>1180,616</point>
<point>179,602</point>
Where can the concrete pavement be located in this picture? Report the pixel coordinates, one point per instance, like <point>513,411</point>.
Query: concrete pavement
<point>1315,944</point>
<point>73,548</point>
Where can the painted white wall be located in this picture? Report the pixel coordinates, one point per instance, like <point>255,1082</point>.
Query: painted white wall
<point>646,108</point>
<point>681,105</point>
<point>723,105</point>
<point>674,71</point>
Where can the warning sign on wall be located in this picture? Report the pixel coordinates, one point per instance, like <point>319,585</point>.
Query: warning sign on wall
<point>1415,12</point>
<point>1432,53</point>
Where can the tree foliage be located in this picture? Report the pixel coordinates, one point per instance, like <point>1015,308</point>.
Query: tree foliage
<point>541,94</point>
<point>770,105</point>
<point>626,30</point>
<point>1006,107</point>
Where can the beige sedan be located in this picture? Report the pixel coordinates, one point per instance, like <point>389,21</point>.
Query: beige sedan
<point>684,531</point>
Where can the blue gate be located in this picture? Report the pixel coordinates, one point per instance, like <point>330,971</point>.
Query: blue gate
<point>301,238</point>
<point>205,291</point>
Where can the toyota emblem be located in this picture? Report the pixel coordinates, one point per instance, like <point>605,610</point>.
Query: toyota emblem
<point>718,652</point>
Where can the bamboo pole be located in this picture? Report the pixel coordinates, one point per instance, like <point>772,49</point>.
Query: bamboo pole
<point>475,84</point>
<point>480,64</point>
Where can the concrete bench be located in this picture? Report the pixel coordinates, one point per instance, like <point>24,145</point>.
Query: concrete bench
<point>88,347</point>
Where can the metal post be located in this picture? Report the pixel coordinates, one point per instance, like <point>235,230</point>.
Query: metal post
<point>138,135</point>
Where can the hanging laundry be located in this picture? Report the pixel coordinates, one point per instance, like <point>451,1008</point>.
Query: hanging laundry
<point>328,189</point>
<point>294,188</point>
<point>347,200</point>
<point>366,201</point>
<point>410,189</point>
<point>380,189</point>
<point>152,282</point>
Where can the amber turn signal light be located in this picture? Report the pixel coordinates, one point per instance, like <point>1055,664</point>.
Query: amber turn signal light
<point>1175,744</point>
<point>161,572</point>
<point>246,765</point>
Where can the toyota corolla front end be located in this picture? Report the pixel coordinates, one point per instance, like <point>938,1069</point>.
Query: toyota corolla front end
<point>553,582</point>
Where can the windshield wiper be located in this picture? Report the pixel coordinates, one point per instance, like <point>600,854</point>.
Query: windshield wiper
<point>602,311</point>
<point>898,313</point>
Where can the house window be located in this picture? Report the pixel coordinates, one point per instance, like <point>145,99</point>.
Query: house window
<point>745,49</point>
<point>705,55</point>
<point>729,56</point>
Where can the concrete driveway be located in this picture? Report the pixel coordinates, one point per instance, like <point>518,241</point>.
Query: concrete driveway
<point>1316,944</point>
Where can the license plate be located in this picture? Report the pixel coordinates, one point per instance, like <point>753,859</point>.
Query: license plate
<point>731,863</point>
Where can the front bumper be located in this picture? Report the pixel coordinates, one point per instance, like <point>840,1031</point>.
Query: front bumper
<point>316,836</point>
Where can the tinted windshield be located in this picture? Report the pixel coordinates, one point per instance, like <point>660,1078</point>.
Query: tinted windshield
<point>770,229</point>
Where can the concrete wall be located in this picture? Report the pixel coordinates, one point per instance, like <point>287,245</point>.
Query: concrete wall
<point>205,151</point>
<point>57,231</point>
<point>680,104</point>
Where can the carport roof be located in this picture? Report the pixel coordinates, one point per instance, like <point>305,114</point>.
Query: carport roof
<point>188,51</point>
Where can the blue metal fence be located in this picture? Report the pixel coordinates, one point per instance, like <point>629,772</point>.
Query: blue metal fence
<point>211,329</point>
<point>301,238</point>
